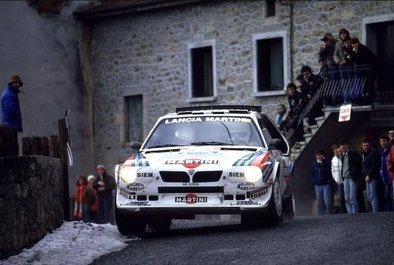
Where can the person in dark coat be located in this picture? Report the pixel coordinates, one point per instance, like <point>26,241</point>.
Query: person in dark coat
<point>296,105</point>
<point>104,184</point>
<point>352,175</point>
<point>309,85</point>
<point>371,173</point>
<point>10,107</point>
<point>361,55</point>
<point>322,181</point>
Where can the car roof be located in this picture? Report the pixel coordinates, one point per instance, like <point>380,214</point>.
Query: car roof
<point>216,110</point>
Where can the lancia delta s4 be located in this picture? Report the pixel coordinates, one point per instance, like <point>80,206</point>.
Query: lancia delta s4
<point>205,160</point>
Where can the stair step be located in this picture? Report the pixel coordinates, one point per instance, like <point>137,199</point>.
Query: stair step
<point>308,137</point>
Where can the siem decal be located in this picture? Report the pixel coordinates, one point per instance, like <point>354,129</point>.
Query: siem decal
<point>192,162</point>
<point>191,198</point>
<point>245,203</point>
<point>144,175</point>
<point>236,174</point>
<point>257,193</point>
<point>135,186</point>
<point>246,186</point>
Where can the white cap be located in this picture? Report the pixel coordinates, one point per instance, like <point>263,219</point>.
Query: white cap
<point>91,177</point>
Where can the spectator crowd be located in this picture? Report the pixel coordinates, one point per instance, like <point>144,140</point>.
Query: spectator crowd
<point>340,60</point>
<point>93,197</point>
<point>340,182</point>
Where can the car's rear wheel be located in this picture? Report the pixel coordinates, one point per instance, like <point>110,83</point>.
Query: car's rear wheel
<point>159,224</point>
<point>129,224</point>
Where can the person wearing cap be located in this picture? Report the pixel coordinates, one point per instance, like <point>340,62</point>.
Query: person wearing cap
<point>326,54</point>
<point>10,107</point>
<point>104,184</point>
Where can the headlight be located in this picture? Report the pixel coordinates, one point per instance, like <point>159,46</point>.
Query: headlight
<point>253,174</point>
<point>128,174</point>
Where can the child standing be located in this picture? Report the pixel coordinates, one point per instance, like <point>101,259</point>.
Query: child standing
<point>84,197</point>
<point>94,206</point>
<point>322,180</point>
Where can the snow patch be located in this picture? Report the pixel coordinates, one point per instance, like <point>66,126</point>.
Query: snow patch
<point>73,243</point>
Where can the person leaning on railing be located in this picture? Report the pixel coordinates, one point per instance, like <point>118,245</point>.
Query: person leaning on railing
<point>361,55</point>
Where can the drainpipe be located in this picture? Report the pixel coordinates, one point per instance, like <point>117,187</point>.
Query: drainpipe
<point>291,5</point>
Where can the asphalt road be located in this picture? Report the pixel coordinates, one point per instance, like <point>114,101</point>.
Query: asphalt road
<point>335,239</point>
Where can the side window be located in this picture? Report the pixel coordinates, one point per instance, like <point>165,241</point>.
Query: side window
<point>134,118</point>
<point>274,133</point>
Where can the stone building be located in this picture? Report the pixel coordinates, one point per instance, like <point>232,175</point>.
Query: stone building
<point>148,57</point>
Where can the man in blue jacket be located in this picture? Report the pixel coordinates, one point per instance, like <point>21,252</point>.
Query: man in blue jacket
<point>10,107</point>
<point>322,179</point>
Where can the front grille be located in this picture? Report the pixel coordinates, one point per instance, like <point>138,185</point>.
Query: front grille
<point>207,176</point>
<point>174,176</point>
<point>191,189</point>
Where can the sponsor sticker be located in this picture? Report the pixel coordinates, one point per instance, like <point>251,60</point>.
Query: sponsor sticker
<point>191,162</point>
<point>236,174</point>
<point>245,203</point>
<point>257,193</point>
<point>206,119</point>
<point>144,175</point>
<point>144,203</point>
<point>245,186</point>
<point>191,198</point>
<point>135,186</point>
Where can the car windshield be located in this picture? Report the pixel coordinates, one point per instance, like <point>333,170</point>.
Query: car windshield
<point>205,130</point>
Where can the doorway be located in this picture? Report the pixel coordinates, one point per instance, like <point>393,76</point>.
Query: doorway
<point>380,39</point>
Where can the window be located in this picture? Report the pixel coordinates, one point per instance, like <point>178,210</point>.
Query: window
<point>270,62</point>
<point>134,118</point>
<point>270,8</point>
<point>202,70</point>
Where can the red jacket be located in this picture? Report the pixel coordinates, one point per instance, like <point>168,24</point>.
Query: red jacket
<point>390,162</point>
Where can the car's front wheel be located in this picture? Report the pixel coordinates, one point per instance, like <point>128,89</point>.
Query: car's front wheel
<point>159,224</point>
<point>275,207</point>
<point>129,224</point>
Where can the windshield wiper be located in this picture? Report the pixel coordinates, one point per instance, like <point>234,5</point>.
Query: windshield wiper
<point>210,143</point>
<point>164,145</point>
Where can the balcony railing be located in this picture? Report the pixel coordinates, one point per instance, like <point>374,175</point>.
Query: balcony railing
<point>353,84</point>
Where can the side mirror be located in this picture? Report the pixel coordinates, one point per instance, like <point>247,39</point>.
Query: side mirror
<point>274,144</point>
<point>135,145</point>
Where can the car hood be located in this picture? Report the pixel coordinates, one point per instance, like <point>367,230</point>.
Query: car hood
<point>193,157</point>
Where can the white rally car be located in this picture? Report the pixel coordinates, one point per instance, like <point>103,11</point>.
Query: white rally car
<point>206,160</point>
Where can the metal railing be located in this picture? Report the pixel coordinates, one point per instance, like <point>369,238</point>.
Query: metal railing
<point>340,85</point>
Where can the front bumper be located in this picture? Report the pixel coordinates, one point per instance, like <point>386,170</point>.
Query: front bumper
<point>194,203</point>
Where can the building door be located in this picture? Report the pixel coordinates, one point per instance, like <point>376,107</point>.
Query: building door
<point>380,39</point>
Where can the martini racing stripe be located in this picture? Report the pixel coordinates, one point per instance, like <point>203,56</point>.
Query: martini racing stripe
<point>137,163</point>
<point>248,159</point>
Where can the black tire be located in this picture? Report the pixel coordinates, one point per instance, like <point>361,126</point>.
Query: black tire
<point>250,220</point>
<point>130,225</point>
<point>159,224</point>
<point>288,208</point>
<point>275,207</point>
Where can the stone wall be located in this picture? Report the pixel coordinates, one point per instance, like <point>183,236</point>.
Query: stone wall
<point>31,201</point>
<point>44,50</point>
<point>313,18</point>
<point>147,53</point>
